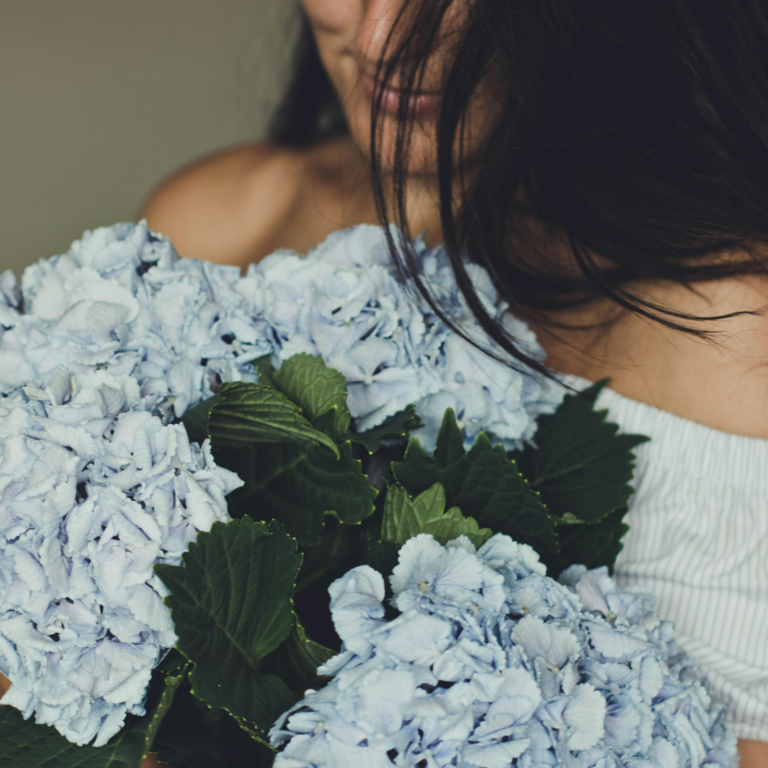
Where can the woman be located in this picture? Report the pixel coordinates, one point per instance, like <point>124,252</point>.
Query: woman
<point>608,163</point>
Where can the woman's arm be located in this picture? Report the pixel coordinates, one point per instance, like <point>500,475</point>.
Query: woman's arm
<point>754,754</point>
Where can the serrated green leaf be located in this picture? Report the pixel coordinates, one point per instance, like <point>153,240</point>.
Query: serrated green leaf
<point>398,427</point>
<point>594,544</point>
<point>175,669</point>
<point>297,660</point>
<point>231,606</point>
<point>483,483</point>
<point>583,470</point>
<point>406,517</point>
<point>272,461</point>
<point>581,466</point>
<point>184,740</point>
<point>256,465</point>
<point>242,461</point>
<point>25,744</point>
<point>298,489</point>
<point>315,388</point>
<point>338,545</point>
<point>254,413</point>
<point>247,752</point>
<point>197,418</point>
<point>449,448</point>
<point>326,422</point>
<point>173,665</point>
<point>263,365</point>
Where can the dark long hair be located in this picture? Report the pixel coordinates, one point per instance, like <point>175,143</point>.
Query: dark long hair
<point>636,130</point>
<point>310,109</point>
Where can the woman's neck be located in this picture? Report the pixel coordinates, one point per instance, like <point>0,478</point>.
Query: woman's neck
<point>344,190</point>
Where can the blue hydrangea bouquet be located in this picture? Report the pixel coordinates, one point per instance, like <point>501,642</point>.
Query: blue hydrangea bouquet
<point>291,518</point>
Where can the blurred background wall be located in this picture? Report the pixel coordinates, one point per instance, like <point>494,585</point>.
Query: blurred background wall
<point>100,100</point>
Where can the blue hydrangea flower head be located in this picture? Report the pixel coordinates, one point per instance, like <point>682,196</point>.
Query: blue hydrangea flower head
<point>121,300</point>
<point>490,663</point>
<point>93,493</point>
<point>343,302</point>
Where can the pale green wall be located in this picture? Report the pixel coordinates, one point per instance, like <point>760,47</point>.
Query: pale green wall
<point>100,99</point>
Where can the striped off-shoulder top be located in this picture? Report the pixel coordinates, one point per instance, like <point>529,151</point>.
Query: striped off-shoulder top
<point>698,540</point>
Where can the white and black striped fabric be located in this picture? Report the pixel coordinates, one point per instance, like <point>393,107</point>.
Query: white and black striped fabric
<point>698,540</point>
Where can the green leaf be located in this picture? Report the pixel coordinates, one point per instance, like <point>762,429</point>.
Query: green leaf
<point>196,419</point>
<point>339,546</point>
<point>174,670</point>
<point>594,544</point>
<point>231,605</point>
<point>398,427</point>
<point>269,462</point>
<point>298,658</point>
<point>483,483</point>
<point>242,460</point>
<point>184,740</point>
<point>299,488</point>
<point>254,413</point>
<point>241,749</point>
<point>581,466</point>
<point>583,470</point>
<point>315,388</point>
<point>406,517</point>
<point>381,556</point>
<point>265,370</point>
<point>25,744</point>
<point>449,448</point>
<point>326,422</point>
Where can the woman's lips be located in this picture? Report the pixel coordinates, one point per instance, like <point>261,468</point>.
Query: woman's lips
<point>420,103</point>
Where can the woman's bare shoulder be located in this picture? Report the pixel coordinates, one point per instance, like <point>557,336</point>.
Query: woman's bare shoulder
<point>237,206</point>
<point>221,208</point>
<point>720,383</point>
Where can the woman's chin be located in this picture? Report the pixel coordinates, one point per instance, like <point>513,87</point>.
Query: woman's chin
<point>421,161</point>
